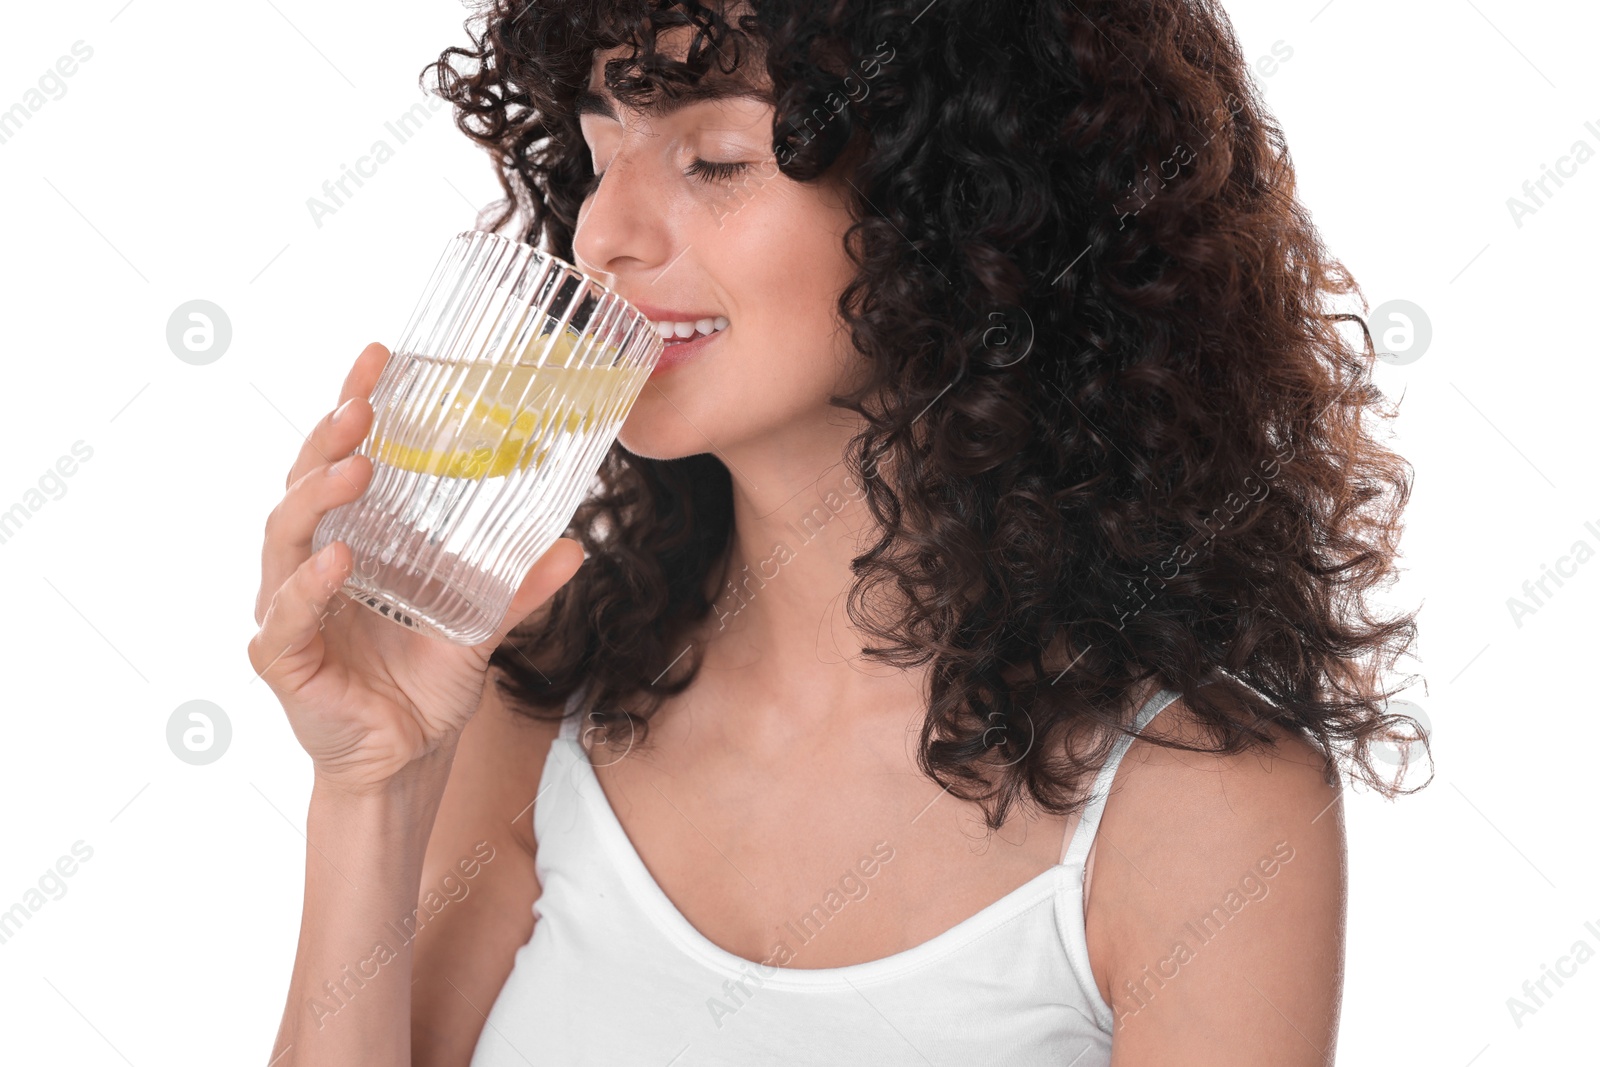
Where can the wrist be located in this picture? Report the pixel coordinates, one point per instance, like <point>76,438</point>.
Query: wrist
<point>346,818</point>
<point>418,780</point>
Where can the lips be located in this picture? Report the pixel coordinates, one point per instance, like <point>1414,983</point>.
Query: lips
<point>676,353</point>
<point>676,350</point>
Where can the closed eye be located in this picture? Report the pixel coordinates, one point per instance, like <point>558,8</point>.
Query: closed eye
<point>707,171</point>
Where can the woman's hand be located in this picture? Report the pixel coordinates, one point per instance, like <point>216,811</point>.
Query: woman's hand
<point>365,696</point>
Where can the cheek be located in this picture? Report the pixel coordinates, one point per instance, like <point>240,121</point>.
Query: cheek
<point>784,265</point>
<point>779,265</point>
<point>792,269</point>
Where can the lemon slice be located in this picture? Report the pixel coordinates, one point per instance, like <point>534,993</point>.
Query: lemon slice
<point>516,405</point>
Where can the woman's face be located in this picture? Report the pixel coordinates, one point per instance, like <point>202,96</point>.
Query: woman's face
<point>691,220</point>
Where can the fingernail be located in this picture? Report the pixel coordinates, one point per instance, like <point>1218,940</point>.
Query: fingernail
<point>325,559</point>
<point>338,412</point>
<point>341,466</point>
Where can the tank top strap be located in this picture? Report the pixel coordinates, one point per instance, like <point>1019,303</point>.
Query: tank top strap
<point>1076,849</point>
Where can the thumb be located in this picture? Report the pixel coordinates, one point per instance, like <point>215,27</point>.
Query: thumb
<point>552,571</point>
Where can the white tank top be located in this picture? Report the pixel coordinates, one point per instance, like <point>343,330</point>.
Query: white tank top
<point>615,976</point>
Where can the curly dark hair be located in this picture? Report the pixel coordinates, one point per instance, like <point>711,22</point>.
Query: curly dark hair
<point>1160,469</point>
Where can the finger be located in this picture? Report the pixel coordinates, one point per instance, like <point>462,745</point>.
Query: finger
<point>553,570</point>
<point>339,432</point>
<point>288,649</point>
<point>364,373</point>
<point>293,523</point>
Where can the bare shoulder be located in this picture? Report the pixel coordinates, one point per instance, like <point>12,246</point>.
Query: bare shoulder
<point>1216,923</point>
<point>1276,785</point>
<point>479,882</point>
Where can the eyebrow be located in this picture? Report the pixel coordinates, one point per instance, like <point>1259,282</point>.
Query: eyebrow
<point>660,105</point>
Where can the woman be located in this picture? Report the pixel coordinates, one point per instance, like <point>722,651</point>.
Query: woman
<point>953,663</point>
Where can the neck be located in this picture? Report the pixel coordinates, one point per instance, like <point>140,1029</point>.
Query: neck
<point>778,635</point>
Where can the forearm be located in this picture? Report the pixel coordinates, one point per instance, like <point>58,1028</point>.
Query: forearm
<point>350,993</point>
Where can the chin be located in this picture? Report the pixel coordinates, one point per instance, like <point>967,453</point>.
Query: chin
<point>655,429</point>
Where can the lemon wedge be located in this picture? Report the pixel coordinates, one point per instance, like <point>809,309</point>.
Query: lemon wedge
<point>500,417</point>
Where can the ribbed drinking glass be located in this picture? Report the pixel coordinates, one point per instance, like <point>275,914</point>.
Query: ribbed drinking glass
<point>490,421</point>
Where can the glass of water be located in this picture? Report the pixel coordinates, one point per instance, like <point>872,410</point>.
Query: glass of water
<point>490,421</point>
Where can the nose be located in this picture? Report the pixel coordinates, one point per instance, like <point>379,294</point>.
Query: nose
<point>622,226</point>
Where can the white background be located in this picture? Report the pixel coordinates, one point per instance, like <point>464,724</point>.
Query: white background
<point>177,166</point>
